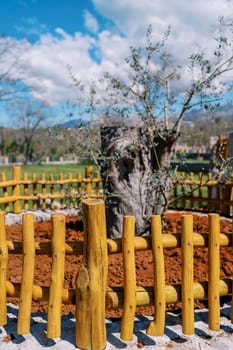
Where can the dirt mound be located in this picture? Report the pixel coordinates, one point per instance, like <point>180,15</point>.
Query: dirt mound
<point>144,264</point>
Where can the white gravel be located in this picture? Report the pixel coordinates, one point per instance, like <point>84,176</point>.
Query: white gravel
<point>39,215</point>
<point>203,338</point>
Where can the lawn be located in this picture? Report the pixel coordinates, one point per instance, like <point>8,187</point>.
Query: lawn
<point>47,169</point>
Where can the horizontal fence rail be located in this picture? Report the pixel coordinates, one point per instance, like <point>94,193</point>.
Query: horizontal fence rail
<point>38,192</point>
<point>92,296</point>
<point>188,192</point>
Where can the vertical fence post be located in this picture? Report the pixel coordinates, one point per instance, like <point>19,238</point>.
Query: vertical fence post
<point>187,275</point>
<point>34,191</point>
<point>88,182</point>
<point>43,192</point>
<point>92,279</point>
<point>129,306</point>
<point>232,288</point>
<point>57,276</point>
<point>214,272</point>
<point>25,191</point>
<point>23,325</point>
<point>3,270</point>
<point>156,327</point>
<point>61,192</point>
<point>16,189</point>
<point>5,192</point>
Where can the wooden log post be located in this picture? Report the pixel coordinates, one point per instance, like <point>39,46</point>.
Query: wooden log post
<point>88,181</point>
<point>156,327</point>
<point>3,270</point>
<point>57,276</point>
<point>25,191</point>
<point>16,189</point>
<point>187,275</point>
<point>129,308</point>
<point>43,192</point>
<point>25,301</point>
<point>232,292</point>
<point>214,272</point>
<point>91,283</point>
<point>34,191</point>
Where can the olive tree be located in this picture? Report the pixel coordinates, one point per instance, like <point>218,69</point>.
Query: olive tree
<point>143,116</point>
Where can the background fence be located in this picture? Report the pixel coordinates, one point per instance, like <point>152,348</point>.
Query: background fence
<point>38,192</point>
<point>92,295</point>
<point>188,192</point>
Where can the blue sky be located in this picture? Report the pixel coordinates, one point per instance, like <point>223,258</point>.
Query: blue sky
<point>92,37</point>
<point>31,18</point>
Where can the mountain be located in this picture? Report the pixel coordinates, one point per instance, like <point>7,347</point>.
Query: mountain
<point>224,112</point>
<point>73,123</point>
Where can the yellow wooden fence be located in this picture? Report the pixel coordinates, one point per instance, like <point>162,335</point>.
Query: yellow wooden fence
<point>202,193</point>
<point>188,192</point>
<point>92,295</point>
<point>38,192</point>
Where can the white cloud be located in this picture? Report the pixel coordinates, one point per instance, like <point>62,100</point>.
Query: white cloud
<point>90,22</point>
<point>47,59</point>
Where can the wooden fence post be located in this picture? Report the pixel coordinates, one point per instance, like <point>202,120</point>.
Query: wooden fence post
<point>92,279</point>
<point>16,189</point>
<point>25,301</point>
<point>88,182</point>
<point>3,270</point>
<point>214,272</point>
<point>57,276</point>
<point>34,190</point>
<point>156,327</point>
<point>187,275</point>
<point>129,307</point>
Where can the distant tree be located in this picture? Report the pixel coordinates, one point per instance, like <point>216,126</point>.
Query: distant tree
<point>11,67</point>
<point>11,52</point>
<point>136,154</point>
<point>29,117</point>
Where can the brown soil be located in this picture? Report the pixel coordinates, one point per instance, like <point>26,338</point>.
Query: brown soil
<point>144,265</point>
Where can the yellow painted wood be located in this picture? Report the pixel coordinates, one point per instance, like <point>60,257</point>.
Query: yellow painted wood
<point>156,327</point>
<point>57,276</point>
<point>129,306</point>
<point>232,294</point>
<point>145,295</point>
<point>3,270</point>
<point>16,189</point>
<point>77,247</point>
<point>88,181</point>
<point>92,280</point>
<point>34,190</point>
<point>214,272</point>
<point>187,275</point>
<point>25,191</point>
<point>169,241</point>
<point>114,295</point>
<point>83,309</point>
<point>25,301</point>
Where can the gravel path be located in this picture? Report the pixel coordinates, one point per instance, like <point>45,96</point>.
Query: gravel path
<point>203,338</point>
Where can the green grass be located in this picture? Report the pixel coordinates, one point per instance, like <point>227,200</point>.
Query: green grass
<point>47,169</point>
<point>38,170</point>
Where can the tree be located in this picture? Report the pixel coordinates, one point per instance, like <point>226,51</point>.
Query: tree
<point>11,67</point>
<point>30,118</point>
<point>136,154</point>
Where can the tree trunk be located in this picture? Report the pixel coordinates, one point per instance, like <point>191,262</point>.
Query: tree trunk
<point>135,176</point>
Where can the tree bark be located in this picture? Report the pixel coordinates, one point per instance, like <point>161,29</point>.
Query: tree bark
<point>135,177</point>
